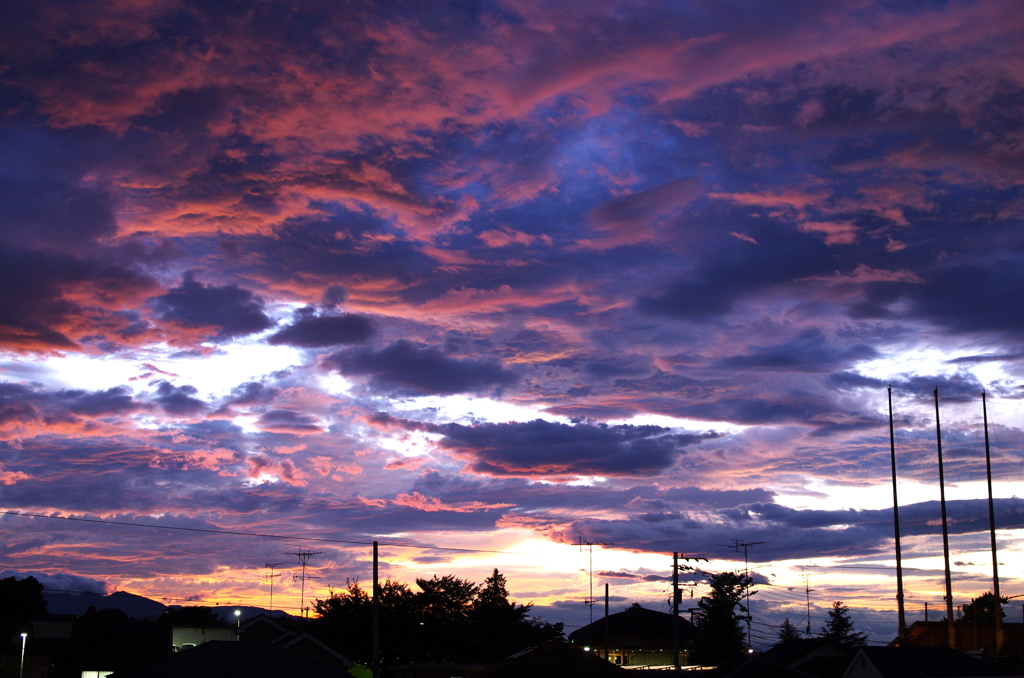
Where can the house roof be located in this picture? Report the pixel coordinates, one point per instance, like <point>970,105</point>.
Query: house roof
<point>635,627</point>
<point>908,661</point>
<point>817,656</point>
<point>554,659</point>
<point>231,659</point>
<point>756,666</point>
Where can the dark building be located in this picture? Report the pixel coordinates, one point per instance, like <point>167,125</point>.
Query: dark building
<point>637,637</point>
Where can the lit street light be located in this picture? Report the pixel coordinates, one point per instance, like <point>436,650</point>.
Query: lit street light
<point>21,671</point>
<point>238,618</point>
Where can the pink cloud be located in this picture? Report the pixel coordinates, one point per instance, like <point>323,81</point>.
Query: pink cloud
<point>285,470</point>
<point>836,232</point>
<point>11,477</point>
<point>433,504</point>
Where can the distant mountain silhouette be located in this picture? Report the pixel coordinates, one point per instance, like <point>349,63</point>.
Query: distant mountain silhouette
<point>139,607</point>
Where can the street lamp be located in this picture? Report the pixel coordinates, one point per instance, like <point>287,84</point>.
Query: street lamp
<point>238,618</point>
<point>21,670</point>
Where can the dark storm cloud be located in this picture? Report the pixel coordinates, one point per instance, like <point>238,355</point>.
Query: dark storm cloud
<point>970,298</point>
<point>60,581</point>
<point>732,273</point>
<point>235,311</point>
<point>607,370</point>
<point>407,367</point>
<point>23,404</point>
<point>312,246</point>
<point>253,392</point>
<point>986,358</point>
<point>810,351</point>
<point>542,448</point>
<point>959,385</point>
<point>790,533</point>
<point>114,400</point>
<point>315,331</point>
<point>333,295</point>
<point>45,200</point>
<point>178,401</point>
<point>532,496</point>
<point>289,421</point>
<point>15,405</point>
<point>35,313</point>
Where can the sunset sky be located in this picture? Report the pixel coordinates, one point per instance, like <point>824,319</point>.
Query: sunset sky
<point>506,276</point>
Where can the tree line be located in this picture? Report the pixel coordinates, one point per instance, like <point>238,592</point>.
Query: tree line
<point>447,619</point>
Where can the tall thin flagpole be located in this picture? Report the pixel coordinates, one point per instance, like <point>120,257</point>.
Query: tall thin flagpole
<point>950,628</point>
<point>997,605</point>
<point>896,524</point>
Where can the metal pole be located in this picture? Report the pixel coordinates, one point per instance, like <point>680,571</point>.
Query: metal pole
<point>997,605</point>
<point>591,583</point>
<point>606,622</point>
<point>675,609</point>
<point>375,636</point>
<point>950,628</point>
<point>21,670</point>
<point>896,523</point>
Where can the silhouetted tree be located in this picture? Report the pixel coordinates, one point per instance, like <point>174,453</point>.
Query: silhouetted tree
<point>788,632</point>
<point>344,621</point>
<point>839,627</point>
<point>448,620</point>
<point>985,607</point>
<point>19,600</point>
<point>720,638</point>
<point>193,615</point>
<point>108,613</point>
<point>501,627</point>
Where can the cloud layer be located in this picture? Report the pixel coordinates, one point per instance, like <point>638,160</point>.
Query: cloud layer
<point>630,273</point>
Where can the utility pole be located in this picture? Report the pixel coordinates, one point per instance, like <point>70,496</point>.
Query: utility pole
<point>581,543</point>
<point>675,609</point>
<point>950,628</point>
<point>304,556</point>
<point>375,633</point>
<point>270,576</point>
<point>736,546</point>
<point>607,634</point>
<point>901,612</point>
<point>997,603</point>
<point>677,597</point>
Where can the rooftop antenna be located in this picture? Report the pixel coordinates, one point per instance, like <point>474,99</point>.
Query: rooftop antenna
<point>737,545</point>
<point>807,592</point>
<point>589,602</point>
<point>303,555</point>
<point>270,576</point>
